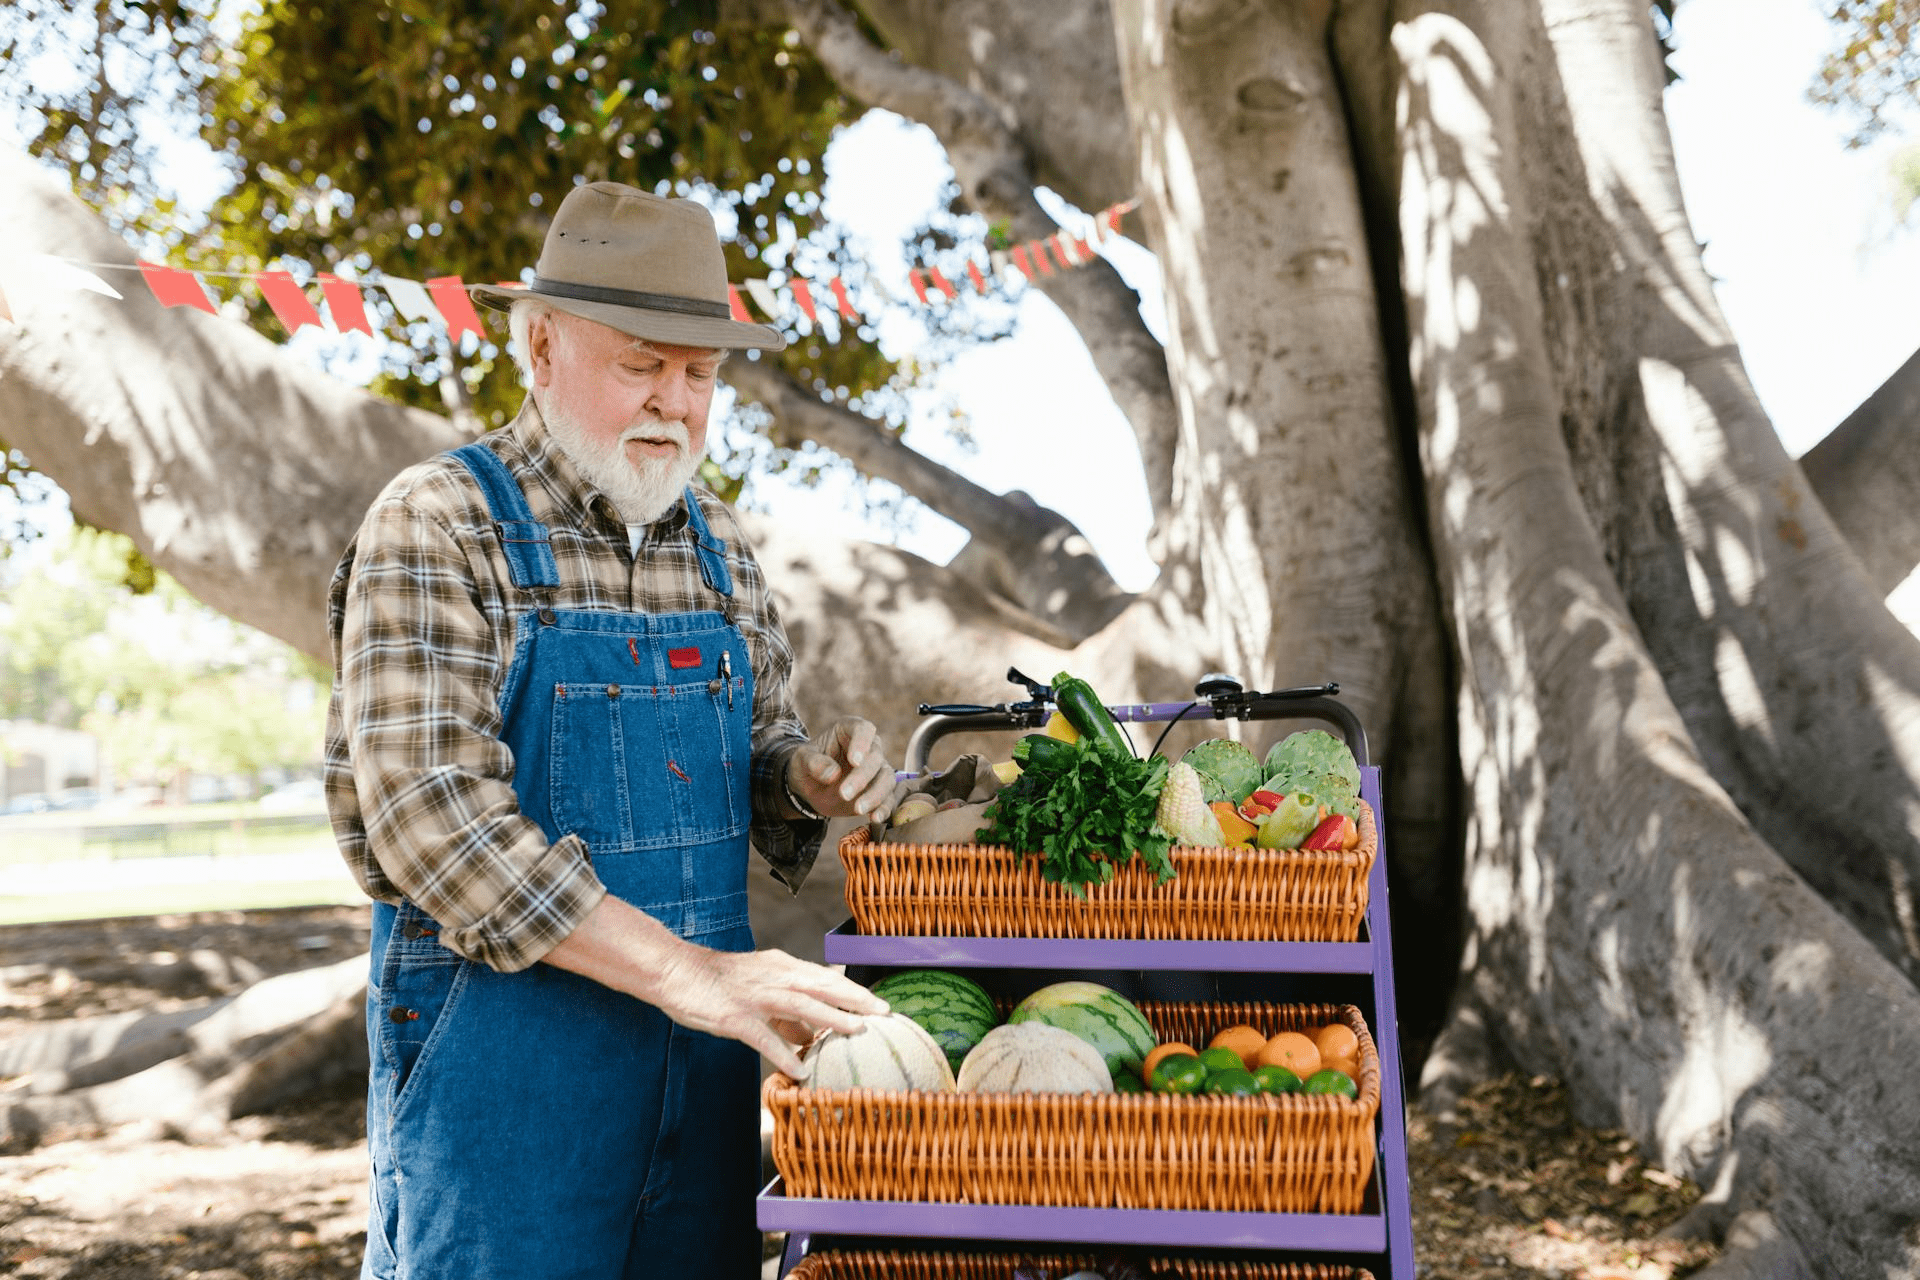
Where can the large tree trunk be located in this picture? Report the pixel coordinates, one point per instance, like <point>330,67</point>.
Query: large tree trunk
<point>1866,472</point>
<point>1626,926</point>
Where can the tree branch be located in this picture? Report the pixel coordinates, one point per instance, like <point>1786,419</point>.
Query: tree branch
<point>995,173</point>
<point>1077,595</point>
<point>1866,471</point>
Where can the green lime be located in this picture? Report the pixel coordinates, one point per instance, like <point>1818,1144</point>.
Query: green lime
<point>1127,1082</point>
<point>1221,1059</point>
<point>1234,1082</point>
<point>1275,1079</point>
<point>1178,1073</point>
<point>1331,1081</point>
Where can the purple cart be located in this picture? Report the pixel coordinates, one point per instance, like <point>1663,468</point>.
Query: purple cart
<point>1379,1238</point>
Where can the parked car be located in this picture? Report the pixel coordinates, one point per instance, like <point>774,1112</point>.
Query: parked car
<point>304,793</point>
<point>29,802</point>
<point>77,798</point>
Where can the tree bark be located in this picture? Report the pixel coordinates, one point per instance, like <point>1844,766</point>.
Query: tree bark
<point>1627,927</point>
<point>1866,472</point>
<point>1800,689</point>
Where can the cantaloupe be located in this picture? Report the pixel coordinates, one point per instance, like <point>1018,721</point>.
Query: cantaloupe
<point>1033,1057</point>
<point>891,1053</point>
<point>1099,1015</point>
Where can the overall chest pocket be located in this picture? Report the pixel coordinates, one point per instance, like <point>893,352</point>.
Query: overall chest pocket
<point>651,766</point>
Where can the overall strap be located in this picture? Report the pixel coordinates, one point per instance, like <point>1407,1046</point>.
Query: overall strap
<point>713,551</point>
<point>529,554</point>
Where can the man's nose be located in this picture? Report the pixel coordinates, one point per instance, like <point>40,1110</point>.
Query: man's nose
<point>671,397</point>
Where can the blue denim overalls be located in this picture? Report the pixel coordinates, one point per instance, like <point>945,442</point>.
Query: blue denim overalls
<point>536,1124</point>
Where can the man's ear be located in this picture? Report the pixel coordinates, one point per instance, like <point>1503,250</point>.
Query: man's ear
<point>541,339</point>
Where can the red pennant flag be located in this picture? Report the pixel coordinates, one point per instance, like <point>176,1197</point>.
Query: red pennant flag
<point>973,274</point>
<point>839,288</point>
<point>941,283</point>
<point>1037,250</point>
<point>1058,243</point>
<point>173,287</point>
<point>1113,219</point>
<point>456,305</point>
<point>6,312</point>
<point>1021,261</point>
<point>348,309</point>
<point>1084,249</point>
<point>737,307</point>
<point>919,285</point>
<point>804,296</point>
<point>288,300</point>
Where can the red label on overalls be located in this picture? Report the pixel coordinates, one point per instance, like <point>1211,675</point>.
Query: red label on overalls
<point>683,657</point>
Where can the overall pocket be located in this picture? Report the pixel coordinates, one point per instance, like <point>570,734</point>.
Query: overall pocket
<point>420,982</point>
<point>638,767</point>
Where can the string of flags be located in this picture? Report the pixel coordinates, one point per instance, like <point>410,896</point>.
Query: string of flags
<point>446,303</point>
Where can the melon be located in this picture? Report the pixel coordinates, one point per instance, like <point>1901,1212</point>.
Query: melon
<point>1099,1015</point>
<point>890,1053</point>
<point>1034,1058</point>
<point>954,1010</point>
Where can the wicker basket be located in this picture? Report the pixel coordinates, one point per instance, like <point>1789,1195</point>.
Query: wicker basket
<point>894,1264</point>
<point>1289,1153</point>
<point>1229,895</point>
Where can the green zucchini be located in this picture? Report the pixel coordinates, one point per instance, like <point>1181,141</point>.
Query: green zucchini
<point>1041,751</point>
<point>1084,711</point>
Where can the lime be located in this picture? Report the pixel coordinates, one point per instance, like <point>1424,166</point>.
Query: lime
<point>1221,1059</point>
<point>1178,1073</point>
<point>1331,1081</point>
<point>1234,1082</point>
<point>1127,1082</point>
<point>1272,1079</point>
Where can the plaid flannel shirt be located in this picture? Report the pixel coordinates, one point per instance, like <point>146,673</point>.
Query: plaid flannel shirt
<point>419,783</point>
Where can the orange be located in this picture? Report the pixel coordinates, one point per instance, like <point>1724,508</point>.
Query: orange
<point>1336,1040</point>
<point>1160,1051</point>
<point>1348,1066</point>
<point>1243,1040</point>
<point>1293,1051</point>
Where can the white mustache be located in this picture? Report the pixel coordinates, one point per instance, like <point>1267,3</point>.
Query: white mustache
<point>674,431</point>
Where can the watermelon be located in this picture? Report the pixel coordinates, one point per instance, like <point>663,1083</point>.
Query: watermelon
<point>953,1009</point>
<point>1099,1015</point>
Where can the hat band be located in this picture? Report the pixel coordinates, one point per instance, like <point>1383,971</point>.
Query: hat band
<point>631,298</point>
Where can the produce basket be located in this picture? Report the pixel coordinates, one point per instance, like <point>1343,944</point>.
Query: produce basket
<point>894,1264</point>
<point>1291,1153</point>
<point>1228,895</point>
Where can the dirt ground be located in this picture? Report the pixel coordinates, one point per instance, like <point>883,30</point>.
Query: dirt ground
<point>1514,1190</point>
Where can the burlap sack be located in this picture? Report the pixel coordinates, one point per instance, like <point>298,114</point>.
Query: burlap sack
<point>959,793</point>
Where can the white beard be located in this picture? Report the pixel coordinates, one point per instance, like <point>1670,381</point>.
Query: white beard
<point>641,491</point>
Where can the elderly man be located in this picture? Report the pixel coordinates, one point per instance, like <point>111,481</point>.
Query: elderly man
<point>562,708</point>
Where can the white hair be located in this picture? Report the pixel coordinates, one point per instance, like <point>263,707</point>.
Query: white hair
<point>560,325</point>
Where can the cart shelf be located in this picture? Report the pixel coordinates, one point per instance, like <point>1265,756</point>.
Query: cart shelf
<point>846,945</point>
<point>1338,1232</point>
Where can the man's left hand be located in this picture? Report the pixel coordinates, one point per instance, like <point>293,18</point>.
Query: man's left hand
<point>843,772</point>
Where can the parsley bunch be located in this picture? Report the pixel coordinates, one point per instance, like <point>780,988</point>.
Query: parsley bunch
<point>1083,811</point>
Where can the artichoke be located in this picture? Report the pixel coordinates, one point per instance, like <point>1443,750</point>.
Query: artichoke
<point>1228,771</point>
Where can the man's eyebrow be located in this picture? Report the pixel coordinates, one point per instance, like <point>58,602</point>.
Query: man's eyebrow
<point>642,347</point>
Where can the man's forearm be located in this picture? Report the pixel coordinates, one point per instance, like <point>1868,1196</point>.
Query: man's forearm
<point>622,947</point>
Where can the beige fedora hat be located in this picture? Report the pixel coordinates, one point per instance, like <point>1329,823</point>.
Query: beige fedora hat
<point>644,264</point>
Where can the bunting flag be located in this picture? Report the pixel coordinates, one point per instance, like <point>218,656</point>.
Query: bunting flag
<point>173,287</point>
<point>446,303</point>
<point>288,301</point>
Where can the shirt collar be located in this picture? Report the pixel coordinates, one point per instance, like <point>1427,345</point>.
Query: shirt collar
<point>575,499</point>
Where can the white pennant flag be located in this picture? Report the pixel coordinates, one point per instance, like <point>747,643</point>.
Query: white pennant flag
<point>763,297</point>
<point>29,273</point>
<point>410,300</point>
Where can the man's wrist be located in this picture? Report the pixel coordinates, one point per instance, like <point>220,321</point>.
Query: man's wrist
<point>794,801</point>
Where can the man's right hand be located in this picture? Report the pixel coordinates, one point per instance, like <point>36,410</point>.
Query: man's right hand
<point>768,1000</point>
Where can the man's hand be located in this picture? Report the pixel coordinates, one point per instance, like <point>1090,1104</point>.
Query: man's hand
<point>767,1000</point>
<point>843,772</point>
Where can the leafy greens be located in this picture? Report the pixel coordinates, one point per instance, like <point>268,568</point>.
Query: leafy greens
<point>1083,811</point>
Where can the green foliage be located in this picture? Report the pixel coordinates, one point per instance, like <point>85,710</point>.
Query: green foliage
<point>1875,72</point>
<point>80,648</point>
<point>1083,811</point>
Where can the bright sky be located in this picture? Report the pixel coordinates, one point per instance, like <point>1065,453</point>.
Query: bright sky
<point>1816,283</point>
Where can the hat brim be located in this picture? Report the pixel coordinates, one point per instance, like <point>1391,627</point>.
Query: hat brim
<point>655,326</point>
